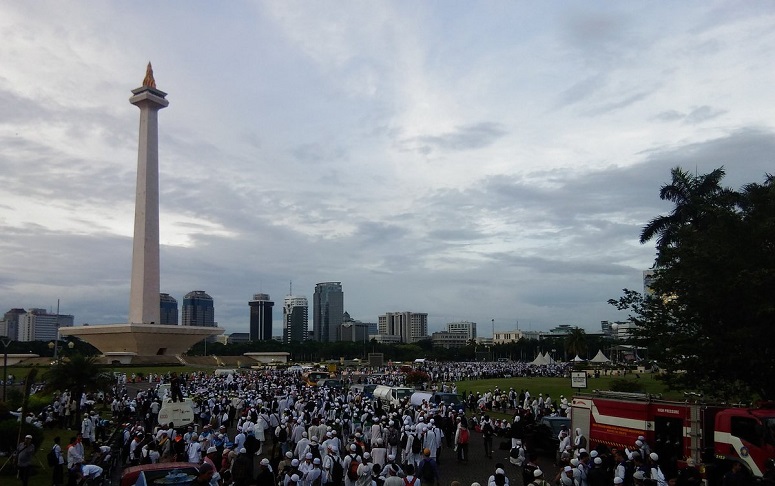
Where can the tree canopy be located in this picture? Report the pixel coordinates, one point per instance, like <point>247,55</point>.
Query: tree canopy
<point>707,316</point>
<point>77,373</point>
<point>576,343</point>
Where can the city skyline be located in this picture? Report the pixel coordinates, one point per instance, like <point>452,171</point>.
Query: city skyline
<point>472,161</point>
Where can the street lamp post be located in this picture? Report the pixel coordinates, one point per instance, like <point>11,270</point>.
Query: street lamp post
<point>55,346</point>
<point>6,342</point>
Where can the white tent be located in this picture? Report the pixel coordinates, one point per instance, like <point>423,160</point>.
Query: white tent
<point>600,357</point>
<point>548,358</point>
<point>540,360</point>
<point>578,359</point>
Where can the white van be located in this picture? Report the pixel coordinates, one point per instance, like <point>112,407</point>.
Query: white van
<point>435,398</point>
<point>393,395</point>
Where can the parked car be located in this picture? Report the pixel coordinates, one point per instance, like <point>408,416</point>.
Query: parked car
<point>366,390</point>
<point>435,398</point>
<point>542,437</point>
<point>330,383</point>
<point>159,473</point>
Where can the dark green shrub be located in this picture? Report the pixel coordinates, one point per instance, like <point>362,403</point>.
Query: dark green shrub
<point>624,385</point>
<point>9,434</point>
<point>15,398</point>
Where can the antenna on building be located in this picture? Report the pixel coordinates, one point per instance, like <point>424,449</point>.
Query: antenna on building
<point>493,328</point>
<point>290,287</point>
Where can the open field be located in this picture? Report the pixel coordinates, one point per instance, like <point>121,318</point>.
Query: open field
<point>561,386</point>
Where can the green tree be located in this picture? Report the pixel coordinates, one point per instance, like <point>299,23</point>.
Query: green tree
<point>710,306</point>
<point>576,343</point>
<point>77,374</point>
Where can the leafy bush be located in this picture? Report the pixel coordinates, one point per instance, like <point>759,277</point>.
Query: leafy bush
<point>624,385</point>
<point>9,434</point>
<point>39,401</point>
<point>15,398</point>
<point>416,377</point>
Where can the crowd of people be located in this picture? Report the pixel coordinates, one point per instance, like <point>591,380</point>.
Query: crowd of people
<point>308,436</point>
<point>269,428</point>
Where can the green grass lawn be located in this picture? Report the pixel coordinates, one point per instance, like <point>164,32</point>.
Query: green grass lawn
<point>555,387</point>
<point>43,473</point>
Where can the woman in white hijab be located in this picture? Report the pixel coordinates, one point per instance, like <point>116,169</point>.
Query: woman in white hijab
<point>580,442</point>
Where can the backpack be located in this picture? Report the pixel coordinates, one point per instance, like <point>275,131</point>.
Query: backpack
<point>318,480</point>
<point>315,451</point>
<point>404,440</point>
<point>52,458</point>
<point>463,438</point>
<point>412,483</point>
<point>416,445</point>
<point>352,469</point>
<point>337,471</point>
<point>427,472</point>
<point>393,436</point>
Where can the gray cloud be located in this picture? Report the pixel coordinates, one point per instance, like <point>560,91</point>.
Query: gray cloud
<point>469,137</point>
<point>694,116</point>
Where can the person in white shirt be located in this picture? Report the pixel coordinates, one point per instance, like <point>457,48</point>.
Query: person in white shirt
<point>90,471</point>
<point>195,451</point>
<point>379,453</point>
<point>87,429</point>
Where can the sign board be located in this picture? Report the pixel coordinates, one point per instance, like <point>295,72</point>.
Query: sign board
<point>578,379</point>
<point>177,413</point>
<point>376,359</point>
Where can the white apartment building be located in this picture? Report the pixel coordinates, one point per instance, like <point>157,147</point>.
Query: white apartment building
<point>469,328</point>
<point>446,339</point>
<point>507,337</point>
<point>410,327</point>
<point>37,325</point>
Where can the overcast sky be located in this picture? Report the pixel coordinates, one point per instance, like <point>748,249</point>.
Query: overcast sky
<point>472,160</point>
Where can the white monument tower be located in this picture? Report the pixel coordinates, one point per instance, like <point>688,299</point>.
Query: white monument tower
<point>144,335</point>
<point>145,288</point>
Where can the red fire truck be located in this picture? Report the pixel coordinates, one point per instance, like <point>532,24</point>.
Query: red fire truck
<point>712,435</point>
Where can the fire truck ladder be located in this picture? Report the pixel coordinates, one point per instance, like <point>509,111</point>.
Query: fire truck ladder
<point>695,432</point>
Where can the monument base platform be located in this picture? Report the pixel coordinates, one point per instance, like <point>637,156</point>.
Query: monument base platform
<point>126,341</point>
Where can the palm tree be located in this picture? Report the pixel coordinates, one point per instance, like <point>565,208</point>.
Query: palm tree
<point>576,342</point>
<point>77,374</point>
<point>693,196</point>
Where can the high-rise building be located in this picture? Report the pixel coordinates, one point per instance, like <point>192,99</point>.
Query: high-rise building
<point>168,308</point>
<point>38,325</point>
<point>605,327</point>
<point>295,318</point>
<point>198,309</point>
<point>11,319</point>
<point>261,317</point>
<point>353,330</point>
<point>469,328</point>
<point>447,339</point>
<point>410,327</point>
<point>328,308</point>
